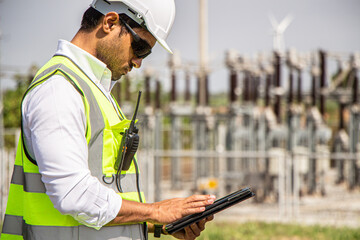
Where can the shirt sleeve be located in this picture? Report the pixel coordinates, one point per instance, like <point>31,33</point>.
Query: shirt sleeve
<point>54,124</point>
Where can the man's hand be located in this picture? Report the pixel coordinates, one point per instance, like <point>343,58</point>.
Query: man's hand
<point>163,212</point>
<point>193,231</point>
<point>170,210</point>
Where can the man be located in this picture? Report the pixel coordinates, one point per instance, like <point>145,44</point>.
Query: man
<point>65,170</point>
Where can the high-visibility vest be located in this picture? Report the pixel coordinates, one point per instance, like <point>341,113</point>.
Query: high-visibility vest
<point>30,214</point>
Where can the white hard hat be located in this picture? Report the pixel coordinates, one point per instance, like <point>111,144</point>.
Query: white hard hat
<point>156,15</point>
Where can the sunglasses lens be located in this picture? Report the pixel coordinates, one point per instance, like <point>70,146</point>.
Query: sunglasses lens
<point>141,48</point>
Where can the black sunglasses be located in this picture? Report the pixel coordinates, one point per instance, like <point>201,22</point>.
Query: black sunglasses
<point>141,48</point>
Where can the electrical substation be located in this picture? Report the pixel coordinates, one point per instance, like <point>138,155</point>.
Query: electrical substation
<point>288,127</point>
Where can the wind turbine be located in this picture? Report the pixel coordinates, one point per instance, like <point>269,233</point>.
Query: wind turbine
<point>278,31</point>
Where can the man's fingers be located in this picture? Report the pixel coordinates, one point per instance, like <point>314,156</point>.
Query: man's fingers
<point>189,211</point>
<point>201,224</point>
<point>189,233</point>
<point>197,203</point>
<point>192,231</point>
<point>200,204</point>
<point>200,198</point>
<point>210,218</point>
<point>196,230</point>
<point>173,209</point>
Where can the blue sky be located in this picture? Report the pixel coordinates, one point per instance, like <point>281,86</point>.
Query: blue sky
<point>30,30</point>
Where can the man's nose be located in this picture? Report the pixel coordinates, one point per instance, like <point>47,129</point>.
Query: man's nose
<point>136,62</point>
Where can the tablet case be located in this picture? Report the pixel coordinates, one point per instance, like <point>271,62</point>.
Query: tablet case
<point>217,206</point>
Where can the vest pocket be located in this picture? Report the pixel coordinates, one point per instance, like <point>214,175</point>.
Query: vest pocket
<point>110,153</point>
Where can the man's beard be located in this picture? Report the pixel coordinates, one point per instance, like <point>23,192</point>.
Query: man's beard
<point>105,53</point>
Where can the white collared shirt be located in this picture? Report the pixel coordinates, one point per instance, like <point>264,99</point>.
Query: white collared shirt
<point>54,124</point>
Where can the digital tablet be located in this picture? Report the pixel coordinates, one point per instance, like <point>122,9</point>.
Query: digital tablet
<point>217,206</point>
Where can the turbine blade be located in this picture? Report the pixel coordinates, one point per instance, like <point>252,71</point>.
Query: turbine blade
<point>285,23</point>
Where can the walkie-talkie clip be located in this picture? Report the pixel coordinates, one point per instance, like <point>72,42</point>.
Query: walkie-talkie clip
<point>129,143</point>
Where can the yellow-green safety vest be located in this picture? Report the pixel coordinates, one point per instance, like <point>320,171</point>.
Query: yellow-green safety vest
<point>30,214</point>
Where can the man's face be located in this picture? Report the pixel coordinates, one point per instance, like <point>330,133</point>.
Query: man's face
<point>116,52</point>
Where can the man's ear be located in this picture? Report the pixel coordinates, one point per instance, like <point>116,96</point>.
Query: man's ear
<point>109,22</point>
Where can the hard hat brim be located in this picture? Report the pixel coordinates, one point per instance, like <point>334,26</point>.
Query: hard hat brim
<point>164,45</point>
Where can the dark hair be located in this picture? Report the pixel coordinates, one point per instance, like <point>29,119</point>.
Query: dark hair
<point>92,17</point>
<point>90,20</point>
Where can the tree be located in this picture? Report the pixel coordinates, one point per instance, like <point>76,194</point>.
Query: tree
<point>12,103</point>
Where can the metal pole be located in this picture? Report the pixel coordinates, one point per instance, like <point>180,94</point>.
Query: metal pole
<point>207,95</point>
<point>198,86</point>
<point>291,85</point>
<point>281,185</point>
<point>148,164</point>
<point>200,145</point>
<point>231,61</point>
<point>296,187</point>
<point>341,115</point>
<point>175,145</point>
<point>339,162</point>
<point>187,85</point>
<point>251,80</point>
<point>354,132</point>
<point>267,89</point>
<point>246,87</point>
<point>233,85</point>
<point>277,104</point>
<point>299,86</point>
<point>157,159</point>
<point>173,86</point>
<point>221,147</point>
<point>256,85</point>
<point>230,146</point>
<point>312,160</point>
<point>263,147</point>
<point>158,95</point>
<point>251,87</point>
<point>355,87</point>
<point>127,89</point>
<point>203,7</point>
<point>147,90</point>
<point>354,139</point>
<point>322,81</point>
<point>313,90</point>
<point>289,162</point>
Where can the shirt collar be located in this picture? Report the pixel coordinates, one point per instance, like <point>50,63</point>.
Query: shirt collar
<point>95,69</point>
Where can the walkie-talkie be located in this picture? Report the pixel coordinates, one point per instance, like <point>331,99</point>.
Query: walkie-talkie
<point>129,143</point>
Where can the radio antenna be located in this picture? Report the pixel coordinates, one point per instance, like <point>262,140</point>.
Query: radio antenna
<point>135,112</point>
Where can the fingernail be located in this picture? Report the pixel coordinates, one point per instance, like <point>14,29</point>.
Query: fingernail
<point>212,196</point>
<point>202,209</point>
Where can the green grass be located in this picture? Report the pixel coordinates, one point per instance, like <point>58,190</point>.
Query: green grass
<point>272,231</point>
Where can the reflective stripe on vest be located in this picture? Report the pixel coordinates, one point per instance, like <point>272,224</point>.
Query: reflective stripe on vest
<point>65,233</point>
<point>37,215</point>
